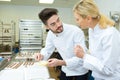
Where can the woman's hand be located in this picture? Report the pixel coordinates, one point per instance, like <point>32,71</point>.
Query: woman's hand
<point>79,52</point>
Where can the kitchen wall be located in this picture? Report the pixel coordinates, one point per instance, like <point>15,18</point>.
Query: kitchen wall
<point>106,6</point>
<point>15,12</point>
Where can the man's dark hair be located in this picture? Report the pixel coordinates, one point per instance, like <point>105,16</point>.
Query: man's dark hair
<point>46,13</point>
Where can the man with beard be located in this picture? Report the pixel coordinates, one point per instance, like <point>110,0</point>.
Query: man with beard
<point>64,38</point>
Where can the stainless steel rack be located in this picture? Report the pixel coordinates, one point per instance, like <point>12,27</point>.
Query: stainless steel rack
<point>30,36</point>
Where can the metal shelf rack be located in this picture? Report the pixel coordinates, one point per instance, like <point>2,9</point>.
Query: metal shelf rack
<point>30,36</point>
<point>7,37</point>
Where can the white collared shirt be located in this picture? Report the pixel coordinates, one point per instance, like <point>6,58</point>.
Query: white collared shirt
<point>104,46</point>
<point>64,43</point>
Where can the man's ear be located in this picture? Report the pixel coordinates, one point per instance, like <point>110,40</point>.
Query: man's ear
<point>46,26</point>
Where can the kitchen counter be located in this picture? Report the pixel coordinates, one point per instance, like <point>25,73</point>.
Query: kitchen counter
<point>25,70</point>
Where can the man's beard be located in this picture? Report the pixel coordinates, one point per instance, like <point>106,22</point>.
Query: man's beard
<point>57,30</point>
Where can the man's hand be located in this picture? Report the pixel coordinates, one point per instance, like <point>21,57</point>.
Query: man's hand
<point>55,62</point>
<point>38,57</point>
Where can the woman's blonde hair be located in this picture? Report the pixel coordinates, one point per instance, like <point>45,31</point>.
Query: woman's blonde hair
<point>89,7</point>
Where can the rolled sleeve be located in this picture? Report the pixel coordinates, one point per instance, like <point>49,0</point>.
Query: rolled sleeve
<point>92,63</point>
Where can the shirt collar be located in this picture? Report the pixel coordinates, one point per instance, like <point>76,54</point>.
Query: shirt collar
<point>96,29</point>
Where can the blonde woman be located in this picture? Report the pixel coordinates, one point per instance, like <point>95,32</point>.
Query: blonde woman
<point>104,42</point>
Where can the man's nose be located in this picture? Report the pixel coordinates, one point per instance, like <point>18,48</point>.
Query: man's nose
<point>58,24</point>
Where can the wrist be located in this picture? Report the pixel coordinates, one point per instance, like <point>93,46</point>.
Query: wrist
<point>61,62</point>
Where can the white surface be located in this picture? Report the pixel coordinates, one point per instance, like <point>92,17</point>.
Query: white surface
<point>12,74</point>
<point>26,73</point>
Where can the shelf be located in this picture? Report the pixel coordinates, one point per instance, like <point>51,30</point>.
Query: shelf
<point>31,43</point>
<point>31,48</point>
<point>30,35</point>
<point>7,37</point>
<point>6,53</point>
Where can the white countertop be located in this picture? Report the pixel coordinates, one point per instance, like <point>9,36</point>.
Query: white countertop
<point>34,72</point>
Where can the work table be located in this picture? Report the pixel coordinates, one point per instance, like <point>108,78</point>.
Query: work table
<point>25,70</point>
